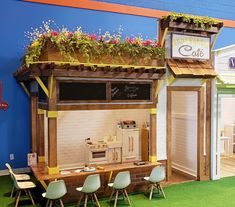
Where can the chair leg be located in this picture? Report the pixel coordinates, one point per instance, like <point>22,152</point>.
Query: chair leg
<point>97,202</point>
<point>111,195</point>
<point>61,203</point>
<point>162,191</point>
<point>85,203</point>
<point>116,198</point>
<point>151,192</point>
<point>127,197</point>
<point>47,202</point>
<point>18,198</point>
<point>12,191</point>
<point>51,202</point>
<point>31,197</point>
<point>80,200</point>
<point>123,195</point>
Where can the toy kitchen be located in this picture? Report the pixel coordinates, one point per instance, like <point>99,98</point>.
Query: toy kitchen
<point>124,147</point>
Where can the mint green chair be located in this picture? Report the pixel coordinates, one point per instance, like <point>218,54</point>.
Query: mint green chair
<point>121,182</point>
<point>55,191</point>
<point>19,177</point>
<point>90,186</point>
<point>22,186</point>
<point>156,177</point>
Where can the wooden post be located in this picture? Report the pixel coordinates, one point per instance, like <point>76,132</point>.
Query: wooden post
<point>52,128</point>
<point>208,130</point>
<point>33,115</point>
<point>153,136</point>
<point>41,143</point>
<point>200,135</point>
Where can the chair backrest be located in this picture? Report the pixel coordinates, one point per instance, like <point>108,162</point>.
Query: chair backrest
<point>56,189</point>
<point>91,184</point>
<point>122,180</point>
<point>157,174</point>
<point>9,167</point>
<point>14,180</point>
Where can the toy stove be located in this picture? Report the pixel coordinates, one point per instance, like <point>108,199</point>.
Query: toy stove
<point>96,152</point>
<point>128,124</point>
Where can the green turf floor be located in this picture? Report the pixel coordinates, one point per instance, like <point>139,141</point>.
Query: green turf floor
<point>219,193</point>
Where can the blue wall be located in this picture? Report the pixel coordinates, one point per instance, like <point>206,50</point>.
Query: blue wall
<point>16,17</point>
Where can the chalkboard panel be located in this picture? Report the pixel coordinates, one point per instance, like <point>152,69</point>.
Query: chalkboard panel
<point>72,91</point>
<point>131,91</point>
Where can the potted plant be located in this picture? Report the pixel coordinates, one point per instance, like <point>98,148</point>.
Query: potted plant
<point>66,46</point>
<point>190,22</point>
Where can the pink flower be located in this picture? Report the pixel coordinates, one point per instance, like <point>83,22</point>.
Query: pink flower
<point>92,37</point>
<point>70,34</point>
<point>54,33</point>
<point>147,42</point>
<point>115,41</point>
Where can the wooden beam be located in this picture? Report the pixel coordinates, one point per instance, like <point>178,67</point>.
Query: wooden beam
<point>33,115</point>
<point>153,136</point>
<point>164,37</point>
<point>52,129</point>
<point>208,130</point>
<point>168,133</point>
<point>200,135</point>
<point>41,142</point>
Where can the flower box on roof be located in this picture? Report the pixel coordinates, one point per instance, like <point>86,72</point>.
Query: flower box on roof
<point>80,47</point>
<point>189,23</point>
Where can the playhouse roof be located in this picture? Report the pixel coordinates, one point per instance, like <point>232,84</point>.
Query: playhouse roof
<point>191,68</point>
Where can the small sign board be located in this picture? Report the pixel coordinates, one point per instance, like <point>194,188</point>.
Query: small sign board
<point>190,47</point>
<point>32,159</point>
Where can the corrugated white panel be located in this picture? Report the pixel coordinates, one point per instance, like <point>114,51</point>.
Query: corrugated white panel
<point>184,131</point>
<point>227,110</point>
<point>74,126</point>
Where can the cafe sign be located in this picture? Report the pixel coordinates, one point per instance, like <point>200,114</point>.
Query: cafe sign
<point>190,47</point>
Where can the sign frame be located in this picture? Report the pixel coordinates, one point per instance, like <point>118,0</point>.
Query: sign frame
<point>189,35</point>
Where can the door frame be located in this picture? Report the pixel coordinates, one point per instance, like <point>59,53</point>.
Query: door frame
<point>200,127</point>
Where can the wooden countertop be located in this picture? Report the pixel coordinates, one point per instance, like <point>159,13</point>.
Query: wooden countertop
<point>41,173</point>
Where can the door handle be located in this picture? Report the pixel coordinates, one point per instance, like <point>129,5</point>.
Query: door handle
<point>132,138</point>
<point>113,156</point>
<point>116,156</point>
<point>129,141</point>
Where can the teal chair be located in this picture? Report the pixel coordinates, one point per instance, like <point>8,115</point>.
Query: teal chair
<point>55,191</point>
<point>19,177</point>
<point>22,186</point>
<point>90,186</point>
<point>156,177</point>
<point>121,182</point>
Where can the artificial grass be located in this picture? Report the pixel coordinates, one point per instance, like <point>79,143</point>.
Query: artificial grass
<point>219,193</point>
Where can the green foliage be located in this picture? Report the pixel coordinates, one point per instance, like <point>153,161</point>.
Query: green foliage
<point>203,22</point>
<point>91,47</point>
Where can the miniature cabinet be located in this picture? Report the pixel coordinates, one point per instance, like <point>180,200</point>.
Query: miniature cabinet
<point>130,144</point>
<point>115,155</point>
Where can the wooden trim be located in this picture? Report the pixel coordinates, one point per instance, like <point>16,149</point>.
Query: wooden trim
<point>168,134</point>
<point>190,177</point>
<point>200,129</point>
<point>200,135</point>
<point>153,138</point>
<point>52,127</point>
<point>66,107</point>
<point>116,8</point>
<point>33,110</point>
<point>41,143</point>
<point>208,129</point>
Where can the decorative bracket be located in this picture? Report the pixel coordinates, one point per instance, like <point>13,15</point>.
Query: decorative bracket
<point>171,79</point>
<point>44,88</point>
<point>164,36</point>
<point>24,88</point>
<point>214,39</point>
<point>158,88</point>
<point>52,114</point>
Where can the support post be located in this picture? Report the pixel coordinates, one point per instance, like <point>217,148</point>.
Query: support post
<point>41,142</point>
<point>52,128</point>
<point>33,116</point>
<point>153,136</point>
